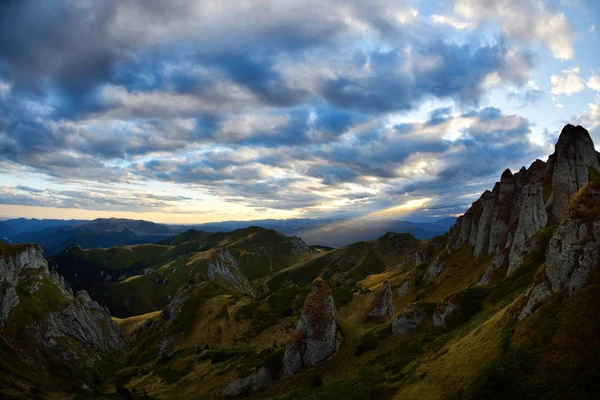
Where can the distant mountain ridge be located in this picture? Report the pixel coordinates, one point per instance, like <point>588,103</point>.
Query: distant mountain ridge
<point>56,235</point>
<point>103,232</point>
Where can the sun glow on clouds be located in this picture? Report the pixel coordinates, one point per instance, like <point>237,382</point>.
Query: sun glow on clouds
<point>403,209</point>
<point>231,111</point>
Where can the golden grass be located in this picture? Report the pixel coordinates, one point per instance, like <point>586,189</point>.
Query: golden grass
<point>129,279</point>
<point>460,271</point>
<point>458,364</point>
<point>130,324</point>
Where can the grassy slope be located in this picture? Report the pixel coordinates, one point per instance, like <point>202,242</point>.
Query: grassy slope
<point>482,353</point>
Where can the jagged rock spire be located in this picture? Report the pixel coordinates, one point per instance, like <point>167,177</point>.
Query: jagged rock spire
<point>501,222</point>
<point>573,157</point>
<point>316,334</point>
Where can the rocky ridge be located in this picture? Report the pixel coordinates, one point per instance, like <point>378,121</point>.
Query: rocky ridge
<point>572,252</point>
<point>73,325</point>
<point>502,221</point>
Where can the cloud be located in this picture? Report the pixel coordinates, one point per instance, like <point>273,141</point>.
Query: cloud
<point>281,106</point>
<point>526,21</point>
<point>369,167</point>
<point>451,21</point>
<point>528,95</point>
<point>567,82</point>
<point>91,199</point>
<point>590,119</point>
<point>594,82</point>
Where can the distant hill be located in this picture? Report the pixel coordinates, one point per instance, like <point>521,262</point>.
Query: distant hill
<point>338,232</point>
<point>5,230</point>
<point>56,235</point>
<point>19,225</point>
<point>97,233</point>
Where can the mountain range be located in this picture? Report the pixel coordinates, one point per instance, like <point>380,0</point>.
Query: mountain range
<point>56,235</point>
<point>504,305</point>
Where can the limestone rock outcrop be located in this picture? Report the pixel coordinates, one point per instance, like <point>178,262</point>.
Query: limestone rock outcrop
<point>573,157</point>
<point>442,312</point>
<point>383,303</point>
<point>258,379</point>
<point>316,337</point>
<point>223,265</point>
<point>572,253</point>
<point>408,320</point>
<point>77,327</point>
<point>502,221</point>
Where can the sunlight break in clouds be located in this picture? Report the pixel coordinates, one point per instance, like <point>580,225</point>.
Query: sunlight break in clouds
<point>281,110</point>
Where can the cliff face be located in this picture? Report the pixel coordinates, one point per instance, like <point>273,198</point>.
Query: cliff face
<point>316,334</point>
<point>573,157</point>
<point>502,221</point>
<point>36,303</point>
<point>572,252</point>
<point>223,265</point>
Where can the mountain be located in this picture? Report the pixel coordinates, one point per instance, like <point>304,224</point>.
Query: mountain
<point>337,232</point>
<point>97,233</point>
<point>6,230</point>
<point>138,279</point>
<point>503,305</point>
<point>31,225</point>
<point>51,338</point>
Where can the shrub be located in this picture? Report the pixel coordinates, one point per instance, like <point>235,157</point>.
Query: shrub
<point>274,362</point>
<point>342,295</point>
<point>316,382</point>
<point>367,342</point>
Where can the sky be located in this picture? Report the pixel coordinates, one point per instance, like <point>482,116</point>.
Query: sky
<point>198,111</point>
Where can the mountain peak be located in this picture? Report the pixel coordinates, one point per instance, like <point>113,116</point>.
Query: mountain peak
<point>571,134</point>
<point>506,175</point>
<point>573,157</point>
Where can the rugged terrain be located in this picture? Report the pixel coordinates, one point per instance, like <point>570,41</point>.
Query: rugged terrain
<point>504,305</point>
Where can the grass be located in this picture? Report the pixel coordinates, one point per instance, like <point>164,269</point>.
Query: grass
<point>131,324</point>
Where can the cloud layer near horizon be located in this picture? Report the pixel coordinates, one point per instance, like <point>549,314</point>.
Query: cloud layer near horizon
<point>315,107</point>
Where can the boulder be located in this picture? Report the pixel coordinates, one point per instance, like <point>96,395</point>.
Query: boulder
<point>408,320</point>
<point>442,312</point>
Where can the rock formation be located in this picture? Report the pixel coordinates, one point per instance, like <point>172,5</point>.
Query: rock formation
<point>572,251</point>
<point>574,155</point>
<point>442,312</point>
<point>316,337</point>
<point>253,382</point>
<point>383,303</point>
<point>502,221</point>
<point>223,265</point>
<point>75,326</point>
<point>408,320</point>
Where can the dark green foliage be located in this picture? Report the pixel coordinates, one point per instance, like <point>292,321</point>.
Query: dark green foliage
<point>171,374</point>
<point>342,295</point>
<point>274,362</point>
<point>221,355</point>
<point>316,382</point>
<point>470,302</point>
<point>280,304</point>
<point>384,332</point>
<point>367,342</point>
